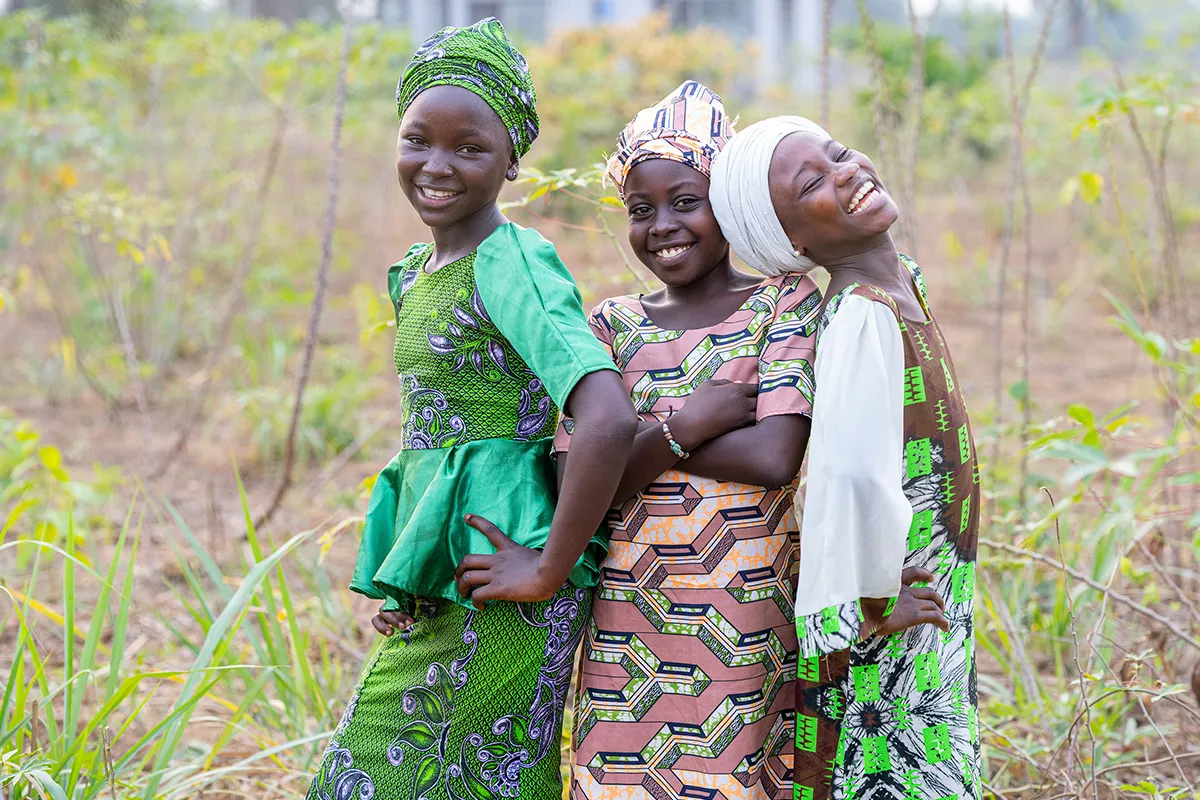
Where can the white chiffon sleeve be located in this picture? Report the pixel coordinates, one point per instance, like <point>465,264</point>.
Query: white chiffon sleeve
<point>856,517</point>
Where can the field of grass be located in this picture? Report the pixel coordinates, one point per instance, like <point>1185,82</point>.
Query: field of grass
<point>177,530</point>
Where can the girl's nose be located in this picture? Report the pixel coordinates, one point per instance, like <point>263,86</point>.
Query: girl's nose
<point>663,225</point>
<point>845,172</point>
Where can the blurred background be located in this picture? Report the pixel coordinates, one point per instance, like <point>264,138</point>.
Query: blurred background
<point>198,207</point>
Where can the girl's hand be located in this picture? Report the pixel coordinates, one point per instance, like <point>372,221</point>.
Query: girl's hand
<point>388,622</point>
<point>511,573</point>
<point>716,407</point>
<point>919,606</point>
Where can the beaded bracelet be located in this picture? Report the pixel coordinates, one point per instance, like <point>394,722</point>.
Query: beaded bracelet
<point>675,448</point>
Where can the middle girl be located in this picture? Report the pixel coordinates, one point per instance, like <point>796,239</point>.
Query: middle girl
<point>686,686</point>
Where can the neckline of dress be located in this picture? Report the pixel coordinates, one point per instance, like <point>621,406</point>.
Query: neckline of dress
<point>641,310</point>
<point>428,254</point>
<point>916,287</point>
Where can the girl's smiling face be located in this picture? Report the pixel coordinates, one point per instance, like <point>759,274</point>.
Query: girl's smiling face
<point>672,229</point>
<point>828,198</point>
<point>453,155</point>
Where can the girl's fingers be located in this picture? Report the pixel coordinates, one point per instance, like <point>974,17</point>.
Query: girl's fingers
<point>913,575</point>
<point>474,561</point>
<point>494,535</point>
<point>393,617</point>
<point>378,623</point>
<point>930,596</point>
<point>471,580</point>
<point>481,596</point>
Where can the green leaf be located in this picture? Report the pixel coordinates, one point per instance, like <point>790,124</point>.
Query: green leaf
<point>52,458</point>
<point>428,772</point>
<point>429,704</point>
<point>1091,187</point>
<point>417,735</point>
<point>1081,414</point>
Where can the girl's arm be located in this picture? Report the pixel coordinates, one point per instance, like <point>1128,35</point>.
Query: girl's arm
<point>854,533</point>
<point>604,429</point>
<point>717,407</point>
<point>768,453</point>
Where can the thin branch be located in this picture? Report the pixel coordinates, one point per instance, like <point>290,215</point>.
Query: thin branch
<point>318,302</point>
<point>624,258</point>
<point>1018,104</point>
<point>826,57</point>
<point>1129,603</point>
<point>195,411</point>
<point>1083,693</point>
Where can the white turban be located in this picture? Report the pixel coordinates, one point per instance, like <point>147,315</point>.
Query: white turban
<point>741,196</point>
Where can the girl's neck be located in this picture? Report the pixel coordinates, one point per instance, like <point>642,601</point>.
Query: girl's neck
<point>460,239</point>
<point>879,265</point>
<point>718,283</point>
<point>703,303</point>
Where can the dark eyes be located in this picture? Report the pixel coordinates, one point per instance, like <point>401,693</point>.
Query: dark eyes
<point>470,149</point>
<point>415,141</point>
<point>686,203</point>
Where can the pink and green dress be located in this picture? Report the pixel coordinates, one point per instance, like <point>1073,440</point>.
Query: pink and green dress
<point>686,687</point>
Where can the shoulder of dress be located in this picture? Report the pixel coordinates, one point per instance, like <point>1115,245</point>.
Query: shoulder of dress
<point>413,252</point>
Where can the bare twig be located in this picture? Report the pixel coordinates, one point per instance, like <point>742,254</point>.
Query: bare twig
<point>624,258</point>
<point>318,302</point>
<point>110,400</point>
<point>195,410</point>
<point>1129,603</point>
<point>1166,578</point>
<point>826,57</point>
<point>1018,104</point>
<point>124,334</point>
<point>1083,693</point>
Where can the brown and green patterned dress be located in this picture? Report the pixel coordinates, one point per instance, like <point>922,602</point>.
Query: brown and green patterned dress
<point>896,717</point>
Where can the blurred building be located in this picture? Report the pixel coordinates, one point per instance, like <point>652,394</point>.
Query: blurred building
<point>787,32</point>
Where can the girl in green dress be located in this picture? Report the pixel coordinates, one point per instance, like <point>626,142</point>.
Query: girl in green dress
<point>491,342</point>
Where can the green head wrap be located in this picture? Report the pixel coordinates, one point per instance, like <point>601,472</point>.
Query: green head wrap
<point>482,60</point>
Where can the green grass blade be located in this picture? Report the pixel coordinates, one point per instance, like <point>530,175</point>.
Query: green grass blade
<point>223,629</point>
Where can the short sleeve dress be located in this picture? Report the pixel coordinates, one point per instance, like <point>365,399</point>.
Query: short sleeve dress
<point>687,677</point>
<point>469,703</point>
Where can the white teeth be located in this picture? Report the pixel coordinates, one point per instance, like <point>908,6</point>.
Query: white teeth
<point>437,194</point>
<point>865,203</point>
<point>671,252</point>
<point>862,192</point>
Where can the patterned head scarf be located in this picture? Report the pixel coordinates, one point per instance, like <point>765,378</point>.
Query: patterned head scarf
<point>688,125</point>
<point>741,196</point>
<point>482,60</point>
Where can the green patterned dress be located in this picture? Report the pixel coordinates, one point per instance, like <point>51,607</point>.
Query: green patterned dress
<point>465,704</point>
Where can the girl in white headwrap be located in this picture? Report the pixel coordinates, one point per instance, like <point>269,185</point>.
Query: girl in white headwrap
<point>886,696</point>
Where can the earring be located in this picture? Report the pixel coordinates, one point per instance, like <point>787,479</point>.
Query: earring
<point>795,253</point>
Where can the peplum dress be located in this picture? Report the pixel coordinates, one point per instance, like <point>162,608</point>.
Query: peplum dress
<point>466,703</point>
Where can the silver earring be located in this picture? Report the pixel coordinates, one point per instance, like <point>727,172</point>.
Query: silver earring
<point>796,253</point>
